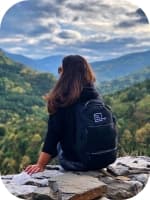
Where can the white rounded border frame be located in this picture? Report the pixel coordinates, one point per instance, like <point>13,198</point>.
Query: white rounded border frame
<point>4,6</point>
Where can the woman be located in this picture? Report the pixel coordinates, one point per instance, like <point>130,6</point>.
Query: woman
<point>76,83</point>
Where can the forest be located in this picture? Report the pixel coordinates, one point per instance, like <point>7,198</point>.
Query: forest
<point>23,115</point>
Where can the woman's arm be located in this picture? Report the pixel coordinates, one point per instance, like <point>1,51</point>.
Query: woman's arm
<point>43,160</point>
<point>49,149</point>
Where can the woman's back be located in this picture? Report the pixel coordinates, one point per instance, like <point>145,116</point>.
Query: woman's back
<point>64,121</point>
<point>75,84</point>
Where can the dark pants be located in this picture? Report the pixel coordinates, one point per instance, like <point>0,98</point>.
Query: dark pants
<point>102,162</point>
<point>68,164</point>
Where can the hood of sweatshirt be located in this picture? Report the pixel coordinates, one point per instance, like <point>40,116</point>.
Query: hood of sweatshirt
<point>89,92</point>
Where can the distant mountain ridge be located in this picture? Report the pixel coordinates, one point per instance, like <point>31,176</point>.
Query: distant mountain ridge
<point>105,70</point>
<point>122,66</point>
<point>105,86</point>
<point>47,64</point>
<point>109,87</point>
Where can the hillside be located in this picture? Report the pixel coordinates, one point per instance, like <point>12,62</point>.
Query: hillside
<point>23,121</point>
<point>19,84</point>
<point>120,67</point>
<point>48,64</point>
<point>132,110</point>
<point>105,70</point>
<point>112,75</point>
<point>23,112</point>
<point>110,87</point>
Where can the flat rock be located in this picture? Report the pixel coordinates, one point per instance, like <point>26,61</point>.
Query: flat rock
<point>7,177</point>
<point>142,178</point>
<point>118,189</point>
<point>20,190</point>
<point>128,164</point>
<point>123,179</point>
<point>43,193</point>
<point>47,174</point>
<point>77,187</point>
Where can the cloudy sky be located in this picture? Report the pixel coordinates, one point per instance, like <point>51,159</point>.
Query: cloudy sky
<point>96,29</point>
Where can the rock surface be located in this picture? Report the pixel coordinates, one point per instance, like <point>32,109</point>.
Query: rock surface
<point>121,180</point>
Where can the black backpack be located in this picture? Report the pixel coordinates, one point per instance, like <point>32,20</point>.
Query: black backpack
<point>96,134</point>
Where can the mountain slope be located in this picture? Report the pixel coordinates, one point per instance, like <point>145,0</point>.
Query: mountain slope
<point>23,113</point>
<point>19,75</point>
<point>107,87</point>
<point>105,70</point>
<point>22,85</point>
<point>131,107</point>
<point>123,66</point>
<point>49,64</point>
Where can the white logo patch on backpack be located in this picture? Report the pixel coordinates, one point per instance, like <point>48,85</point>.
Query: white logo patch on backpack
<point>98,117</point>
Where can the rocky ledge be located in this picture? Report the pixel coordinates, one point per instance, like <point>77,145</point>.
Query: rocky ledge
<point>121,180</point>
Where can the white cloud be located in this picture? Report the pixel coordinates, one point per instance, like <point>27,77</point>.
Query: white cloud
<point>99,28</point>
<point>17,49</point>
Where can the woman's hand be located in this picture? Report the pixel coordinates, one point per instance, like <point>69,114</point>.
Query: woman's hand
<point>31,169</point>
<point>44,158</point>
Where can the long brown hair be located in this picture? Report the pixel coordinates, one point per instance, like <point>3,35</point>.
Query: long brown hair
<point>76,74</point>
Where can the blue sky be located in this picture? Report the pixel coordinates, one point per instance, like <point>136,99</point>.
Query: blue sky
<point>96,29</point>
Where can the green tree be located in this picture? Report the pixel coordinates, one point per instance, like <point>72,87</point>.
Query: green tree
<point>2,130</point>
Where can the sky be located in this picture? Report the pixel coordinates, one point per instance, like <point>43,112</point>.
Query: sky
<point>96,29</point>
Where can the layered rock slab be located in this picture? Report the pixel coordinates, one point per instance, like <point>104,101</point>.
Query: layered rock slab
<point>124,179</point>
<point>77,187</point>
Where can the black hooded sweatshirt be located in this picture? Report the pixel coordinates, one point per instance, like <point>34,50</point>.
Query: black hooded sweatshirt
<point>61,127</point>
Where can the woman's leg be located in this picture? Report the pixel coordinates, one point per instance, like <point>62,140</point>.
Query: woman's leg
<point>68,164</point>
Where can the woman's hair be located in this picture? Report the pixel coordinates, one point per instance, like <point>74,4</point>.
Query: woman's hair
<point>76,74</point>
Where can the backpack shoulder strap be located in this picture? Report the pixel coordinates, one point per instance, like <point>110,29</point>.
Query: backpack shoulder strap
<point>98,101</point>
